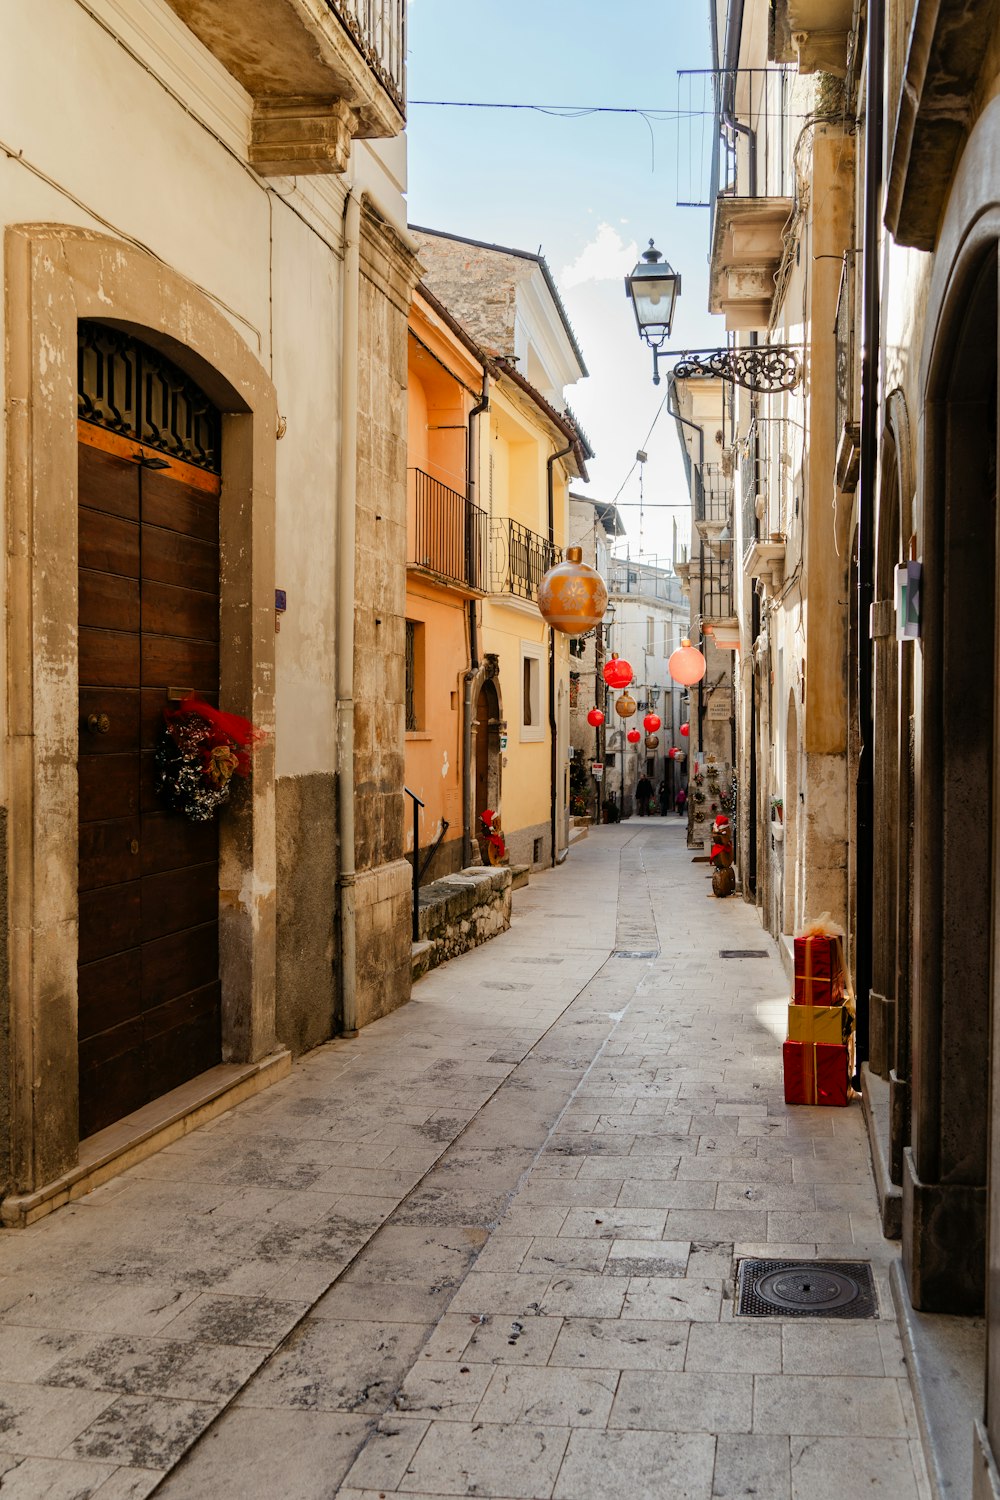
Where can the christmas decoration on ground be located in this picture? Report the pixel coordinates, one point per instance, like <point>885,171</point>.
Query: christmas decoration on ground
<point>723,880</point>
<point>617,673</point>
<point>199,750</point>
<point>496,848</point>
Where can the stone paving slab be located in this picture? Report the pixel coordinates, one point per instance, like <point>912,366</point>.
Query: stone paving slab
<point>488,1248</point>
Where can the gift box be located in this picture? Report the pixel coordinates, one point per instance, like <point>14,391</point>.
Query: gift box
<point>819,1023</point>
<point>819,970</point>
<point>815,1073</point>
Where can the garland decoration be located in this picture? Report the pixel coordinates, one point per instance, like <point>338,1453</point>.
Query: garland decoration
<point>199,750</point>
<point>496,847</point>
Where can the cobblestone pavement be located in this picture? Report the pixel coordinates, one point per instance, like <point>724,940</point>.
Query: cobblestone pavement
<point>485,1249</point>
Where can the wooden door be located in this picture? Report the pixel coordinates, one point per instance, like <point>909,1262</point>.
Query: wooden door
<point>149,994</point>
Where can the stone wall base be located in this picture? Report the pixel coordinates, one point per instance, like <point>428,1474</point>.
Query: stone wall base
<point>881,1031</point>
<point>464,910</point>
<point>985,1475</point>
<point>944,1243</point>
<point>521,846</point>
<point>382,907</point>
<point>306,953</point>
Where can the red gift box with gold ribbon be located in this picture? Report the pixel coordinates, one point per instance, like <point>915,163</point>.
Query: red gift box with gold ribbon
<point>819,969</point>
<point>815,1073</point>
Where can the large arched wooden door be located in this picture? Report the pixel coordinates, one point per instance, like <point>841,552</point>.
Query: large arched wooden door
<point>149,486</point>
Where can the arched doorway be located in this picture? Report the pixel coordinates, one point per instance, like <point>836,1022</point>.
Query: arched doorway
<point>945,1169</point>
<point>149,1014</point>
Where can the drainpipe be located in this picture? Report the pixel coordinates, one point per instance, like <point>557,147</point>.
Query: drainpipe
<point>346,527</point>
<point>472,451</point>
<point>550,463</point>
<point>868,475</point>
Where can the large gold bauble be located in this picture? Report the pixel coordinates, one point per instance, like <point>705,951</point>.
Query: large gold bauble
<point>625,706</point>
<point>652,740</point>
<point>572,596</point>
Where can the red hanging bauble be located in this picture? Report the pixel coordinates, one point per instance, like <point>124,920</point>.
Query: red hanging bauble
<point>686,664</point>
<point>685,730</point>
<point>633,736</point>
<point>595,718</point>
<point>651,723</point>
<point>617,673</point>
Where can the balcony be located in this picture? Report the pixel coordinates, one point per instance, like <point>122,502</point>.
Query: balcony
<point>445,533</point>
<point>753,182</point>
<point>320,73</point>
<point>520,559</point>
<point>813,33</point>
<point>715,583</point>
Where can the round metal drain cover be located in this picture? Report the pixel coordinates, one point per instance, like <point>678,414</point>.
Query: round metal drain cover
<point>808,1286</point>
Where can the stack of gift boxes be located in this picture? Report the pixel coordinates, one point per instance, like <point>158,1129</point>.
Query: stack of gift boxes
<point>817,1054</point>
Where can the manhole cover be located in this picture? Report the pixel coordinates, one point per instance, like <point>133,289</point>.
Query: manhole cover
<point>743,953</point>
<point>805,1289</point>
<point>636,953</point>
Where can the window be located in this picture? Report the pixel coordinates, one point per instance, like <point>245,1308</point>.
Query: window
<point>532,722</point>
<point>666,638</point>
<point>414,676</point>
<point>650,635</point>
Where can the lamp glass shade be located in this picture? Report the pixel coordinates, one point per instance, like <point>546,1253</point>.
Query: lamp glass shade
<point>572,596</point>
<point>652,288</point>
<point>625,706</point>
<point>617,673</point>
<point>633,736</point>
<point>651,723</point>
<point>686,664</point>
<point>595,718</point>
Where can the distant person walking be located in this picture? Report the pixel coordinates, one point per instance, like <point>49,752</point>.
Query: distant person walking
<point>680,801</point>
<point>664,798</point>
<point>643,792</point>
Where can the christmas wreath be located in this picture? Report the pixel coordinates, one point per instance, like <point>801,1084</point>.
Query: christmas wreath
<point>198,752</point>
<point>495,846</point>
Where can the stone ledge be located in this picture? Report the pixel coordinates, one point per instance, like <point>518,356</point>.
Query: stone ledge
<point>461,911</point>
<point>146,1131</point>
<point>421,956</point>
<point>875,1100</point>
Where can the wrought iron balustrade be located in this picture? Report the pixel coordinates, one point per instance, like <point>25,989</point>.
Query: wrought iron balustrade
<point>736,134</point>
<point>446,533</point>
<point>378,30</point>
<point>520,559</point>
<point>714,496</point>
<point>715,582</point>
<point>750,485</point>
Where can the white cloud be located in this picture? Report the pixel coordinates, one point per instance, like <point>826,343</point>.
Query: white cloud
<point>606,257</point>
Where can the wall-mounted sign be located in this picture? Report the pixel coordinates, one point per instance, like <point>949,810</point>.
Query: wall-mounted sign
<point>503,742</point>
<point>908,579</point>
<point>597,770</point>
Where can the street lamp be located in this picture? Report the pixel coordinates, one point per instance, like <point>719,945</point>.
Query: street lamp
<point>653,289</point>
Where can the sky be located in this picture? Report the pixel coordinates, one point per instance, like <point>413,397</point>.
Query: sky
<point>589,192</point>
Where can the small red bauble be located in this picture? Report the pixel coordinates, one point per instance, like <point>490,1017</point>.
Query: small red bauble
<point>595,718</point>
<point>652,723</point>
<point>617,673</point>
<point>633,736</point>
<point>685,730</point>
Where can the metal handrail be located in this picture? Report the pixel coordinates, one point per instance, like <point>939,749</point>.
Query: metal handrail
<point>417,805</point>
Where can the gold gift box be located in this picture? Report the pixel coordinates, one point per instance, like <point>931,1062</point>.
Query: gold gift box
<point>819,1023</point>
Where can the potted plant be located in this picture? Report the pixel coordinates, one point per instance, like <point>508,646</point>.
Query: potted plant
<point>777,810</point>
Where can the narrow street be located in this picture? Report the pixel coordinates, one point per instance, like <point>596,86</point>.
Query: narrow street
<point>484,1249</point>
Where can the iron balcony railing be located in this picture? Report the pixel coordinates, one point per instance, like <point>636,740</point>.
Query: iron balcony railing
<point>714,494</point>
<point>446,533</point>
<point>735,134</point>
<point>750,485</point>
<point>520,559</point>
<point>378,30</point>
<point>715,580</point>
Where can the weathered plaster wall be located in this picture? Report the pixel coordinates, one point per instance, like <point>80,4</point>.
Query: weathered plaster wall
<point>306,953</point>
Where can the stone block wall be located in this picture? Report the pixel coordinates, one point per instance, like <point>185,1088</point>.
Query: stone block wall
<point>464,910</point>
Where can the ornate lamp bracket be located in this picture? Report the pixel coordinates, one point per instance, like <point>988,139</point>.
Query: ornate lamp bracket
<point>765,368</point>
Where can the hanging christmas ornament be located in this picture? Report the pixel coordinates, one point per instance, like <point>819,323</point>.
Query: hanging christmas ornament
<point>572,597</point>
<point>651,723</point>
<point>685,730</point>
<point>595,718</point>
<point>625,706</point>
<point>652,740</point>
<point>686,664</point>
<point>673,753</point>
<point>617,673</point>
<point>633,736</point>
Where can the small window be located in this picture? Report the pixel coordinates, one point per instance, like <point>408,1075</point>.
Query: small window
<point>532,722</point>
<point>414,676</point>
<point>650,635</point>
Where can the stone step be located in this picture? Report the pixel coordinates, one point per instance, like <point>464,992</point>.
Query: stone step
<point>577,833</point>
<point>520,876</point>
<point>420,959</point>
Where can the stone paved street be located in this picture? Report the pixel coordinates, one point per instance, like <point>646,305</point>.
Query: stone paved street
<point>485,1249</point>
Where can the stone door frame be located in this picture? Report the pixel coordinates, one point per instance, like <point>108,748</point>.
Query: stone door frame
<point>56,275</point>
